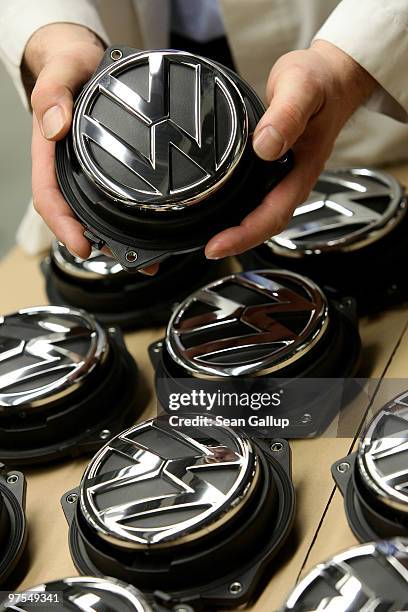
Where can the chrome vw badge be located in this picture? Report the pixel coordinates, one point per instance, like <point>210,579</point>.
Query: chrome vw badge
<point>187,507</point>
<point>86,593</point>
<point>347,209</point>
<point>382,458</point>
<point>66,384</point>
<point>252,323</point>
<point>160,155</point>
<point>362,579</point>
<point>375,489</point>
<point>155,486</point>
<point>159,158</point>
<point>46,353</point>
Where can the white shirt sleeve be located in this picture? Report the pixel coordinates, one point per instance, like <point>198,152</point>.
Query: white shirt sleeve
<point>19,19</point>
<point>375,34</point>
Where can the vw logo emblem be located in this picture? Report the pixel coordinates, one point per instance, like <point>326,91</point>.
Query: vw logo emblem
<point>369,577</point>
<point>45,353</point>
<point>155,485</point>
<point>252,323</point>
<point>346,210</point>
<point>144,145</point>
<point>383,454</point>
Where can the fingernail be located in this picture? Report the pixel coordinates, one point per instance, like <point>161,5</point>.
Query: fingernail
<point>215,252</point>
<point>53,121</point>
<point>75,254</point>
<point>268,144</point>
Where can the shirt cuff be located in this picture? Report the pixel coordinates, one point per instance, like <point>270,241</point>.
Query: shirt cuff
<point>376,36</point>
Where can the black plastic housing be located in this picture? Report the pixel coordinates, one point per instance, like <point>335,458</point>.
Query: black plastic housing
<point>131,301</point>
<point>368,519</point>
<point>13,531</point>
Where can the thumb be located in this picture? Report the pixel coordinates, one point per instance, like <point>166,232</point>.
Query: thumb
<point>293,103</point>
<point>52,97</point>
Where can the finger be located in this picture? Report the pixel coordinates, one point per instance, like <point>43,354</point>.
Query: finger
<point>272,215</point>
<point>52,97</point>
<point>296,98</point>
<point>48,200</point>
<point>150,270</point>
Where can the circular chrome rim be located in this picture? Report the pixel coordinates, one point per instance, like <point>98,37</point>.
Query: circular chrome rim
<point>229,160</point>
<point>189,491</point>
<point>374,226</point>
<point>79,370</point>
<point>268,283</point>
<point>388,488</point>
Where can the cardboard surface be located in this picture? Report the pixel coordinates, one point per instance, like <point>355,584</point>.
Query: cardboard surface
<point>321,528</point>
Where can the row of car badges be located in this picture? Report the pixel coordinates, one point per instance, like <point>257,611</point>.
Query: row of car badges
<point>100,285</point>
<point>374,480</point>
<point>362,578</point>
<point>60,374</point>
<point>175,507</point>
<point>353,211</point>
<point>159,150</point>
<point>52,357</point>
<point>56,359</point>
<point>200,494</point>
<point>348,236</point>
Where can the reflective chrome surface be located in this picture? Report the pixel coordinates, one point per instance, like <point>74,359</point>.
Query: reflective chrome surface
<point>340,585</point>
<point>89,595</point>
<point>96,267</point>
<point>251,323</point>
<point>45,353</point>
<point>154,485</point>
<point>347,210</point>
<point>382,457</point>
<point>187,127</point>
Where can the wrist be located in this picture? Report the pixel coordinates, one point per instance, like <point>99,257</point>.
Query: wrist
<point>350,81</point>
<point>55,38</point>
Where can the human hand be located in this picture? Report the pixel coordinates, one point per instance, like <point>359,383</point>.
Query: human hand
<point>60,58</point>
<point>311,95</point>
